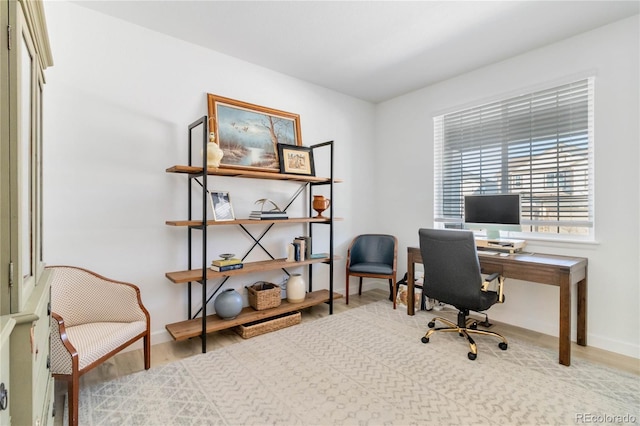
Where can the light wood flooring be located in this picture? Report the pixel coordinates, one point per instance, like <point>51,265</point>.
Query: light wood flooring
<point>163,353</point>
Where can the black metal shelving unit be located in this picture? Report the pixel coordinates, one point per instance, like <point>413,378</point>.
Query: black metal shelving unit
<point>201,176</point>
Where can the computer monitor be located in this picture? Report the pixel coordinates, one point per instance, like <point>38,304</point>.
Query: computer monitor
<point>492,213</point>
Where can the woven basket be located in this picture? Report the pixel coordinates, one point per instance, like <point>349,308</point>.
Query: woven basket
<point>257,328</point>
<point>264,295</point>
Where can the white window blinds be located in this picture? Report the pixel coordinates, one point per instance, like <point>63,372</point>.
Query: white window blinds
<point>539,145</point>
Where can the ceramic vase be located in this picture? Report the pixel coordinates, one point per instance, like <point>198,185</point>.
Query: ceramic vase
<point>296,289</point>
<point>320,204</point>
<point>214,155</point>
<point>228,304</point>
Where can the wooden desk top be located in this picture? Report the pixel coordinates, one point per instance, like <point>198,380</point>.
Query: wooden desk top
<point>536,267</point>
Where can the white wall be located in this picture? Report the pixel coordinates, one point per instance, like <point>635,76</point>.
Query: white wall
<point>118,101</point>
<point>405,174</point>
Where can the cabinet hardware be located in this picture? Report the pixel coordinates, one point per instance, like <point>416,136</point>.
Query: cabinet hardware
<point>10,274</point>
<point>4,397</point>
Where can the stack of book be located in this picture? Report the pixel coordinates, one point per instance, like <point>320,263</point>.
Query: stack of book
<point>268,215</point>
<point>221,265</point>
<point>302,248</point>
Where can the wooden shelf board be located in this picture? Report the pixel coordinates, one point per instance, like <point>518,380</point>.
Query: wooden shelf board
<point>193,328</point>
<point>251,174</point>
<point>249,221</point>
<point>180,277</point>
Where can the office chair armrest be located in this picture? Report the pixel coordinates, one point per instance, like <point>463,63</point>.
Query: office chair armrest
<point>491,278</point>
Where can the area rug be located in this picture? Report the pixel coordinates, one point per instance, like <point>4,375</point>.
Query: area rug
<point>366,366</point>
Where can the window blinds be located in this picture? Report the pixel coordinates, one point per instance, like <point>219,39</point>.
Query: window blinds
<point>539,145</point>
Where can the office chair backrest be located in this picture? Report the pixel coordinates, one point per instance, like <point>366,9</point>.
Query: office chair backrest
<point>451,268</point>
<point>373,248</point>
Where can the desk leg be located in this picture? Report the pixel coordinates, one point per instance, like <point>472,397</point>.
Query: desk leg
<point>582,312</point>
<point>411,296</point>
<point>565,321</point>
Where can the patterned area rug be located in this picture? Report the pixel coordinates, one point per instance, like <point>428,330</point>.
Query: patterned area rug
<point>366,366</point>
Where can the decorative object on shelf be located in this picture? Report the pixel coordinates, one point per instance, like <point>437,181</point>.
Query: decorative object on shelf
<point>264,295</point>
<point>291,253</point>
<point>221,205</point>
<point>263,201</point>
<point>227,263</point>
<point>320,204</point>
<point>263,214</point>
<point>248,134</point>
<point>296,289</point>
<point>227,267</point>
<point>214,153</point>
<point>228,304</point>
<point>267,325</point>
<point>297,160</point>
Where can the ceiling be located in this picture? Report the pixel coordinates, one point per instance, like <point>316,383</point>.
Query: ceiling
<point>372,50</point>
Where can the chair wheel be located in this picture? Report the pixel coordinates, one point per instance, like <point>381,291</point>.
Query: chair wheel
<point>503,346</point>
<point>474,326</point>
<point>425,340</point>
<point>472,356</point>
<point>431,324</point>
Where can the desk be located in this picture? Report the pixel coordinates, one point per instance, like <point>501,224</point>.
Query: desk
<point>561,271</point>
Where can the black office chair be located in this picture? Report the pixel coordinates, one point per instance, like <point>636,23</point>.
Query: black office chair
<point>373,256</point>
<point>452,276</point>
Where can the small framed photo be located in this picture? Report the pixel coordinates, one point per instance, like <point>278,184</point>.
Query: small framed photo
<point>296,160</point>
<point>221,205</point>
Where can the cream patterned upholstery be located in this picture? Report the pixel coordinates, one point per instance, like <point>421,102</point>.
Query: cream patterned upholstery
<point>92,319</point>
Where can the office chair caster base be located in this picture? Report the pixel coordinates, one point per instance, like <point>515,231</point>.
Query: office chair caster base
<point>472,356</point>
<point>503,346</point>
<point>425,340</point>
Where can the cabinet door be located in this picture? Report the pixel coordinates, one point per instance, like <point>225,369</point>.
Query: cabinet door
<point>25,167</point>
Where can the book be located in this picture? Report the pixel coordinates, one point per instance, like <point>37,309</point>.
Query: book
<point>226,262</point>
<point>318,255</point>
<point>269,218</point>
<point>307,246</point>
<point>301,249</point>
<point>259,215</point>
<point>227,267</point>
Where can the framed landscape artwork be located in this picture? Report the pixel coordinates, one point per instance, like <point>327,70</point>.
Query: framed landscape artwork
<point>249,134</point>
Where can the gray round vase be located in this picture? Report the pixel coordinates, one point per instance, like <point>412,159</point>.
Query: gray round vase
<point>228,304</point>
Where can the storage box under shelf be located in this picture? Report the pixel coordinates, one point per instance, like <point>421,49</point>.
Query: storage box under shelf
<point>267,325</point>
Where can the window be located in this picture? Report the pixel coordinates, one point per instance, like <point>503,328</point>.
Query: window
<point>539,145</point>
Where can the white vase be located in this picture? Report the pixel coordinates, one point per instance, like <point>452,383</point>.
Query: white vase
<point>214,155</point>
<point>296,289</point>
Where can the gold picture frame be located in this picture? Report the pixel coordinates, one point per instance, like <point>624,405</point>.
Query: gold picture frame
<point>249,134</point>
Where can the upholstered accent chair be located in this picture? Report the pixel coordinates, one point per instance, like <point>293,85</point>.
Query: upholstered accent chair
<point>373,256</point>
<point>92,319</point>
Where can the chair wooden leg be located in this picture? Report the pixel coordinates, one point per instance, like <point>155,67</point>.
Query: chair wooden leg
<point>392,289</point>
<point>147,351</point>
<point>360,288</point>
<point>347,289</point>
<point>73,392</point>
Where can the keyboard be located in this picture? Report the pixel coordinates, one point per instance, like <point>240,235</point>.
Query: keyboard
<point>487,252</point>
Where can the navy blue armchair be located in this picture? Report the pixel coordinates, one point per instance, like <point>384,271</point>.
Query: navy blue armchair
<point>373,256</point>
